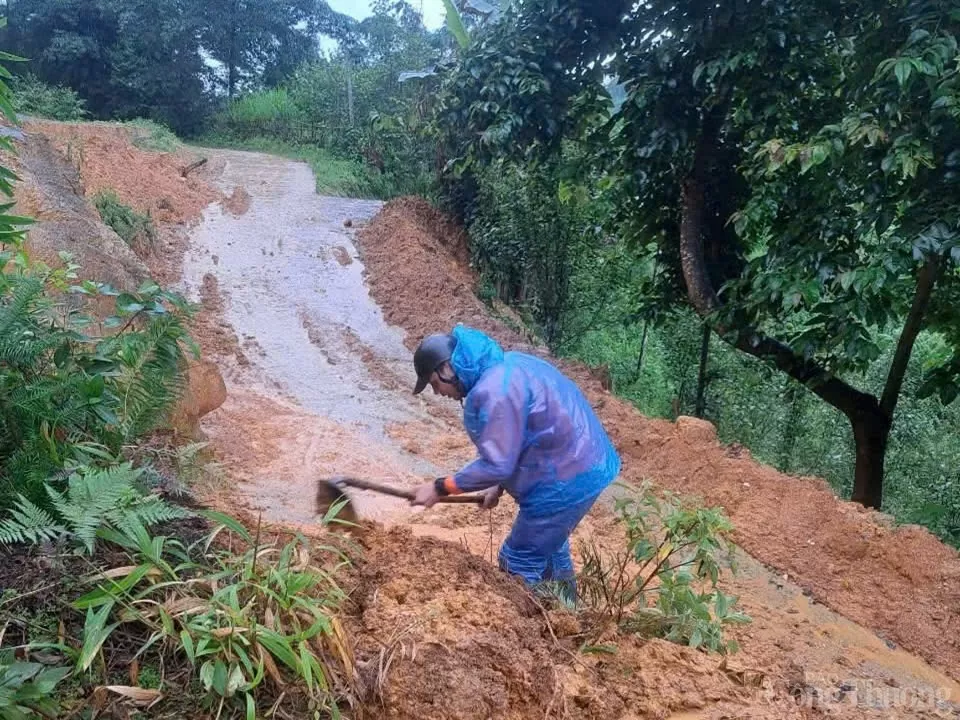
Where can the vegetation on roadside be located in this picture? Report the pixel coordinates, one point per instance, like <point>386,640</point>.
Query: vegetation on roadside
<point>334,175</point>
<point>133,227</point>
<point>663,582</point>
<point>36,98</point>
<point>689,262</point>
<point>152,135</point>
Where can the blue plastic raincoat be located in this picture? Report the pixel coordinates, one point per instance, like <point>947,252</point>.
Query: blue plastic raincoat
<point>539,439</point>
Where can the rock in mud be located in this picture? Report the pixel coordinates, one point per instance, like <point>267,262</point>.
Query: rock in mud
<point>205,392</point>
<point>695,430</point>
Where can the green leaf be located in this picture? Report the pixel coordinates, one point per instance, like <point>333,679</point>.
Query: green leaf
<point>219,679</point>
<point>251,707</point>
<point>187,642</point>
<point>206,675</point>
<point>112,588</point>
<point>95,633</point>
<point>722,605</point>
<point>305,658</point>
<point>278,646</point>
<point>455,24</point>
<point>235,680</point>
<point>226,522</point>
<point>902,70</point>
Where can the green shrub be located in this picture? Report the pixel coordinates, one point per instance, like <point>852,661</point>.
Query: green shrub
<point>32,96</point>
<point>664,581</point>
<point>131,226</point>
<point>66,396</point>
<point>263,107</point>
<point>27,689</point>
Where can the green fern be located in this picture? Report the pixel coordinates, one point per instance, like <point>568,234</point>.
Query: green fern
<point>95,499</point>
<point>29,524</point>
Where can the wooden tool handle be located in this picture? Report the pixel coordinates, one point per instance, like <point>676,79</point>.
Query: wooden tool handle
<point>407,494</point>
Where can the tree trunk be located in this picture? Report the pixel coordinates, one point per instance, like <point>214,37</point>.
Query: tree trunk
<point>350,94</point>
<point>13,28</point>
<point>871,430</point>
<point>643,346</point>
<point>870,417</point>
<point>232,53</point>
<point>700,406</point>
<point>792,427</point>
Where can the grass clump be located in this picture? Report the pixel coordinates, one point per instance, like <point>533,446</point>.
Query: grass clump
<point>153,136</point>
<point>133,227</point>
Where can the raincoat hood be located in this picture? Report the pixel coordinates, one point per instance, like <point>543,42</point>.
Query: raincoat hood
<point>474,354</point>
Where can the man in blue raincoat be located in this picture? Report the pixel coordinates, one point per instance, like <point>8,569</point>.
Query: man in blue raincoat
<point>537,438</point>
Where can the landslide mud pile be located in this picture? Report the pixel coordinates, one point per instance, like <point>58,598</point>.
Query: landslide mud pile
<point>902,582</point>
<point>443,634</point>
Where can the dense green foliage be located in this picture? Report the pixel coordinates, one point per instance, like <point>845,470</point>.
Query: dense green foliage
<point>357,105</point>
<point>131,226</point>
<point>713,171</point>
<point>68,396</point>
<point>94,501</point>
<point>34,97</point>
<point>146,58</point>
<point>75,389</point>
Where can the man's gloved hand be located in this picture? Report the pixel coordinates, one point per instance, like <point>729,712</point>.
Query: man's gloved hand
<point>491,497</point>
<point>426,495</point>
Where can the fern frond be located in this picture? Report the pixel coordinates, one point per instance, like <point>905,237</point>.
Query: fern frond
<point>109,498</point>
<point>151,511</point>
<point>28,523</point>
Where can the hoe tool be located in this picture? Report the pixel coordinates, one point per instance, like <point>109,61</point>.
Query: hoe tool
<point>332,491</point>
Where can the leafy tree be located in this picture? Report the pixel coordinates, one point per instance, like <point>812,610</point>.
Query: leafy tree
<point>261,42</point>
<point>156,68</point>
<point>794,160</point>
<point>68,42</point>
<point>126,58</point>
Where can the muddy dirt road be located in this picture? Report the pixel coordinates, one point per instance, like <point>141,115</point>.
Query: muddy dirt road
<point>319,384</point>
<point>305,399</point>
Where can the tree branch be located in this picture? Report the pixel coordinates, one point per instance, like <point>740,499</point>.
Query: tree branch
<point>703,297</point>
<point>926,281</point>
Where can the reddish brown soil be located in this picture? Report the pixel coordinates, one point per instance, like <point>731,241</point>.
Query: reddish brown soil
<point>238,202</point>
<point>149,182</point>
<point>902,582</point>
<point>443,634</point>
<point>417,271</point>
<point>215,336</point>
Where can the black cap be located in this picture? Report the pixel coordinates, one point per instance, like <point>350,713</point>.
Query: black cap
<point>433,352</point>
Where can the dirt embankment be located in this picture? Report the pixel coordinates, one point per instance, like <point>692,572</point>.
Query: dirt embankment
<point>103,157</point>
<point>902,582</point>
<point>62,166</point>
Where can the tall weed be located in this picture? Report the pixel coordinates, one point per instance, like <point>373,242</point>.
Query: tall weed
<point>32,96</point>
